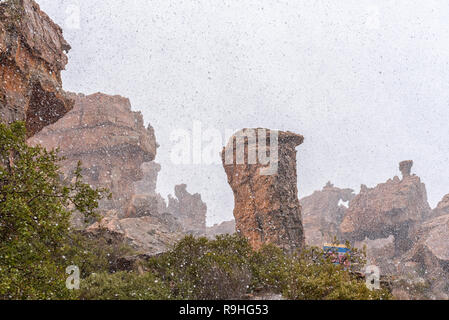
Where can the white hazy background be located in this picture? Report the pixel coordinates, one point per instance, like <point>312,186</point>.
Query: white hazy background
<point>366,82</point>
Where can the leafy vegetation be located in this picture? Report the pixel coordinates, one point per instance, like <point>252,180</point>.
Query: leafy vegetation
<point>124,286</point>
<point>37,245</point>
<point>227,268</point>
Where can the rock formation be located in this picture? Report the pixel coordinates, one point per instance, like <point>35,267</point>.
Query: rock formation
<point>380,252</point>
<point>442,207</point>
<point>145,201</point>
<point>267,208</point>
<point>391,208</point>
<point>406,168</point>
<point>148,183</point>
<point>323,212</point>
<point>429,257</point>
<point>149,235</point>
<point>109,139</point>
<point>189,210</point>
<point>226,227</point>
<point>32,55</point>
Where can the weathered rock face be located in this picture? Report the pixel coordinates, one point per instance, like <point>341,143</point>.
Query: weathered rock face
<point>323,212</point>
<point>142,205</point>
<point>189,210</point>
<point>429,256</point>
<point>32,55</point>
<point>381,253</point>
<point>226,227</point>
<point>267,208</point>
<point>148,235</point>
<point>145,201</point>
<point>406,168</point>
<point>111,141</point>
<point>391,208</point>
<point>442,207</point>
<point>148,183</point>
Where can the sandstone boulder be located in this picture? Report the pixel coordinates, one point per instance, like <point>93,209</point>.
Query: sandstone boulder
<point>32,55</point>
<point>149,235</point>
<point>261,169</point>
<point>142,205</point>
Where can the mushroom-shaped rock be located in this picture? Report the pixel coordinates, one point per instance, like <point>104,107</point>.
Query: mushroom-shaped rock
<point>261,169</point>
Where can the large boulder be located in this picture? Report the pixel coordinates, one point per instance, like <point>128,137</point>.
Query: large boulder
<point>32,55</point>
<point>148,235</point>
<point>261,169</point>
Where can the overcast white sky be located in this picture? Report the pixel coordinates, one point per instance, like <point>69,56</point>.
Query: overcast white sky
<point>366,82</point>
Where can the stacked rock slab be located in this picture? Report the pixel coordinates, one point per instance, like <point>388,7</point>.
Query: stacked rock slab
<point>109,139</point>
<point>322,213</point>
<point>267,208</point>
<point>32,55</point>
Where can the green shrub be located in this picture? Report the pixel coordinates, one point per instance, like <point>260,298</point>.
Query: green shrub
<point>313,276</point>
<point>123,286</point>
<point>269,268</point>
<point>202,269</point>
<point>34,219</point>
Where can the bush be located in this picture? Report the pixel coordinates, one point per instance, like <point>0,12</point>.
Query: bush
<point>269,269</point>
<point>123,286</point>
<point>34,219</point>
<point>227,268</point>
<point>313,276</point>
<point>201,269</point>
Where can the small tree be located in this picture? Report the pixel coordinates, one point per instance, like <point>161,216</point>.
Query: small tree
<point>34,217</point>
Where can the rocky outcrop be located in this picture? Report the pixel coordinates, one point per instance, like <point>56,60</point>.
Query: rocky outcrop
<point>391,208</point>
<point>147,185</point>
<point>267,208</point>
<point>380,252</point>
<point>109,139</point>
<point>429,257</point>
<point>226,227</point>
<point>442,207</point>
<point>149,235</point>
<point>323,212</point>
<point>189,210</point>
<point>32,55</point>
<point>145,201</point>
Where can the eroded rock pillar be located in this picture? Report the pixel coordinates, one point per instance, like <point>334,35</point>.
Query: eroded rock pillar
<point>261,169</point>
